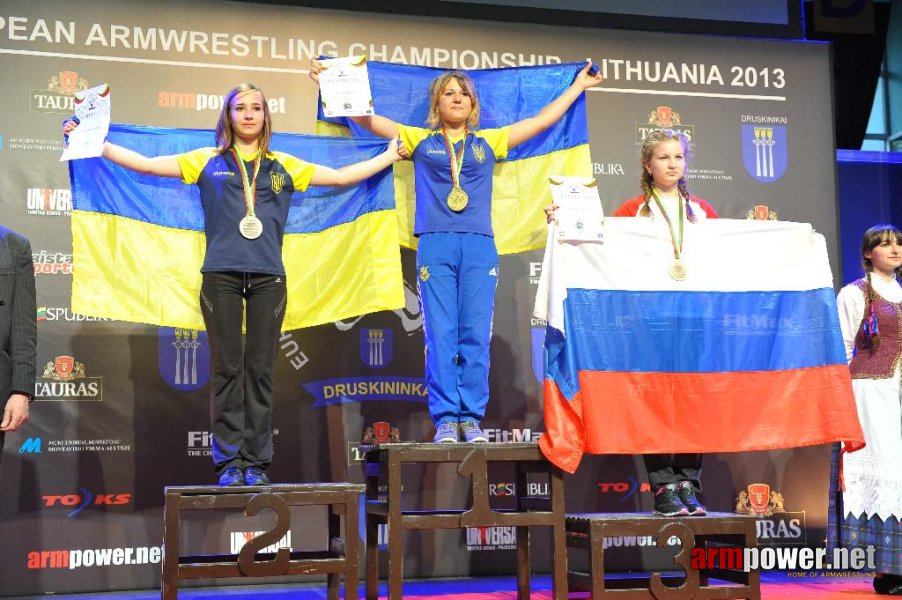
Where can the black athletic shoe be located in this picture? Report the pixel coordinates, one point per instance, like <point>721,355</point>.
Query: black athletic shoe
<point>255,476</point>
<point>668,503</point>
<point>687,495</point>
<point>231,477</point>
<point>888,584</point>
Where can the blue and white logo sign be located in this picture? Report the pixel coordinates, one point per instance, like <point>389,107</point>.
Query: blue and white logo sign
<point>376,347</point>
<point>764,151</point>
<point>184,358</point>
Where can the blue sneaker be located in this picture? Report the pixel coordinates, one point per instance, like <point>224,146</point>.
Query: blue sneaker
<point>446,432</point>
<point>255,476</point>
<point>472,432</point>
<point>231,477</point>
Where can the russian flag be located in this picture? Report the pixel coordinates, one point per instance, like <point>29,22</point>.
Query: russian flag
<point>744,354</point>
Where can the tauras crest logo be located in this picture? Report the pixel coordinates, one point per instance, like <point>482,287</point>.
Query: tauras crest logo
<point>64,378</point>
<point>59,96</point>
<point>64,368</point>
<point>775,525</point>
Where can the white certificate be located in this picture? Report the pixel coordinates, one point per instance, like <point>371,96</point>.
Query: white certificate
<point>344,87</point>
<point>92,107</point>
<point>579,216</point>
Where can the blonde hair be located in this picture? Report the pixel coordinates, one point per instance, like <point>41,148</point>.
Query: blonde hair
<point>437,87</point>
<point>646,181</point>
<point>225,134</point>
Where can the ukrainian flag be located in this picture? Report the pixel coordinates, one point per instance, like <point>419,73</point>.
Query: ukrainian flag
<point>520,190</point>
<point>138,240</point>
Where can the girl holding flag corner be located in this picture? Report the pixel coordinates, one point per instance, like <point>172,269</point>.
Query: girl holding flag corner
<point>245,189</point>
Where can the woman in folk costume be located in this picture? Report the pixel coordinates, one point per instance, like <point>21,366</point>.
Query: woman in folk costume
<point>866,506</point>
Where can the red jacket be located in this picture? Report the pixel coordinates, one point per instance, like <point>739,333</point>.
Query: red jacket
<point>630,208</point>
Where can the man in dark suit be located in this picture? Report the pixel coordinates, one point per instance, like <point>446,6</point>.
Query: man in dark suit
<point>18,329</point>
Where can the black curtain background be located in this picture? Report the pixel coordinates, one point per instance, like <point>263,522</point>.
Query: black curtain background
<point>856,68</point>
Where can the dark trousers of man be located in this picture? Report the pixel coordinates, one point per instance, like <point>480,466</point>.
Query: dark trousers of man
<point>673,468</point>
<point>241,396</point>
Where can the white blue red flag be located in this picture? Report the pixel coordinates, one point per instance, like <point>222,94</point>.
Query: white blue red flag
<point>745,353</point>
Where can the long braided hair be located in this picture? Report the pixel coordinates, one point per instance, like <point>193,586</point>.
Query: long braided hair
<point>646,182</point>
<point>872,238</point>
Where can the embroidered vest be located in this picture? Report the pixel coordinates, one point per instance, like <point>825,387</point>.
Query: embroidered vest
<point>882,363</point>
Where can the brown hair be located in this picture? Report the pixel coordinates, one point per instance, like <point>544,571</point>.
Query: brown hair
<point>646,182</point>
<point>225,135</point>
<point>872,238</point>
<point>438,86</point>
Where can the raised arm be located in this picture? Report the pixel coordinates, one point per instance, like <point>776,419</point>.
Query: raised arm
<point>161,166</point>
<point>526,129</point>
<point>352,174</point>
<point>381,126</point>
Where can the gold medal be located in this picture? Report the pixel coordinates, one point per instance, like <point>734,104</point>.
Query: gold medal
<point>678,270</point>
<point>250,227</point>
<point>457,199</point>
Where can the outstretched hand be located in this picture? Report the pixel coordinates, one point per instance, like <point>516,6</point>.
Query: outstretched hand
<point>316,67</point>
<point>69,126</point>
<point>587,80</point>
<point>397,149</point>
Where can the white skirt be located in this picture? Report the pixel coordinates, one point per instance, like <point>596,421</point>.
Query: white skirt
<point>873,475</point>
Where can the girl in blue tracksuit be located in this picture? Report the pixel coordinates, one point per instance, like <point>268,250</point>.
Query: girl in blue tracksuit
<point>457,263</point>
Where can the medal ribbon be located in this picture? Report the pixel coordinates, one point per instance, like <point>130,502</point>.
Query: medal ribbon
<point>457,162</point>
<point>676,250</point>
<point>250,185</point>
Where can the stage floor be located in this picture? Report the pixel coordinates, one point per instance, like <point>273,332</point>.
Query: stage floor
<point>774,586</point>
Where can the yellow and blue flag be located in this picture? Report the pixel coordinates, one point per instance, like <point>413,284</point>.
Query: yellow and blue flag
<point>138,240</point>
<point>520,184</point>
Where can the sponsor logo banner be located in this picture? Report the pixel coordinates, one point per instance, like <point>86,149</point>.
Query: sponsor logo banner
<point>200,443</point>
<point>93,557</point>
<point>627,488</point>
<point>64,378</point>
<point>84,498</point>
<point>199,101</point>
<point>89,445</point>
<point>237,539</point>
<point>59,96</point>
<point>52,263</point>
<point>62,313</point>
<point>491,538</point>
<point>776,526</point>
<point>47,202</point>
<point>663,117</point>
